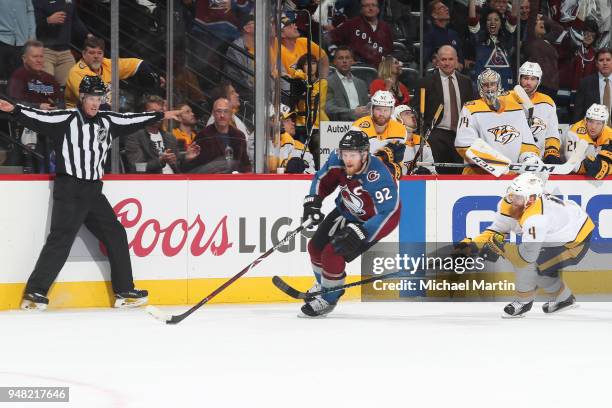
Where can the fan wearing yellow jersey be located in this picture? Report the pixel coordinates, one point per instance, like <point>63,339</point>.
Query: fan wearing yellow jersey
<point>499,120</point>
<point>290,154</point>
<point>93,63</point>
<point>387,136</point>
<point>555,234</point>
<point>593,130</point>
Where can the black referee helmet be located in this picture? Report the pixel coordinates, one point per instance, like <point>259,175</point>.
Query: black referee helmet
<point>92,85</point>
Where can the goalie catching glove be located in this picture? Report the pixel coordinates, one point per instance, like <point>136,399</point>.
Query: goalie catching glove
<point>312,209</point>
<point>349,241</point>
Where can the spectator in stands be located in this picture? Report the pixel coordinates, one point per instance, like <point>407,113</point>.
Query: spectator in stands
<point>293,47</point>
<point>32,86</point>
<point>389,71</point>
<point>152,147</point>
<point>292,155</point>
<point>541,34</point>
<point>439,34</point>
<point>244,55</point>
<point>596,88</point>
<point>524,16</point>
<point>449,88</point>
<point>492,45</point>
<point>17,25</point>
<point>582,60</point>
<point>369,37</point>
<point>222,147</point>
<point>185,132</point>
<point>347,95</point>
<point>93,63</point>
<point>220,17</point>
<point>226,90</point>
<point>57,22</point>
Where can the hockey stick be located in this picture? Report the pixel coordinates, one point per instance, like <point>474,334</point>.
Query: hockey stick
<point>424,138</point>
<point>174,319</point>
<point>296,294</point>
<point>564,168</point>
<point>525,100</point>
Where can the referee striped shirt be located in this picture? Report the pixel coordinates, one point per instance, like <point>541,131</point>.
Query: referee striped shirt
<point>82,143</point>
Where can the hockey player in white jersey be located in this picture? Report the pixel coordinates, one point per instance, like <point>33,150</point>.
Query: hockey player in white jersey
<point>555,234</point>
<point>405,115</point>
<point>593,130</point>
<point>499,120</point>
<point>543,120</point>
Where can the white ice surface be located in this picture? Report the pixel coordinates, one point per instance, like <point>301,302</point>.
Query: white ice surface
<point>363,355</point>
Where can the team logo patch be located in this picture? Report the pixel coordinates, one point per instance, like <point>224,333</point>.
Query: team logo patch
<point>581,130</point>
<point>373,176</point>
<point>538,125</point>
<point>469,103</point>
<point>352,201</point>
<point>364,125</point>
<point>102,133</point>
<point>504,134</point>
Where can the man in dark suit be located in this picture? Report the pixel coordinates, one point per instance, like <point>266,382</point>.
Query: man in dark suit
<point>152,150</point>
<point>347,95</point>
<point>596,88</point>
<point>448,88</point>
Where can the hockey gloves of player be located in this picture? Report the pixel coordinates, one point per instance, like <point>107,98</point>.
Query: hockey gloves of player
<point>312,209</point>
<point>348,242</point>
<point>599,167</point>
<point>392,155</point>
<point>295,165</point>
<point>494,247</point>
<point>465,249</point>
<point>552,156</point>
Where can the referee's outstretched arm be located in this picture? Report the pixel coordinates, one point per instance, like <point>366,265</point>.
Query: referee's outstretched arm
<point>40,121</point>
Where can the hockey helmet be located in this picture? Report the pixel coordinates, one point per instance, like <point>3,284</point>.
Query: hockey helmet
<point>524,186</point>
<point>354,140</point>
<point>397,113</point>
<point>92,85</point>
<point>531,69</point>
<point>486,77</point>
<point>383,98</point>
<point>597,112</point>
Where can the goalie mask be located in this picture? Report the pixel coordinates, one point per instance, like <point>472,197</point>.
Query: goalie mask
<point>489,87</point>
<point>523,187</point>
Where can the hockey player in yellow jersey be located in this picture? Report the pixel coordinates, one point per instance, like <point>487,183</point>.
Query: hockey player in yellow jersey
<point>405,115</point>
<point>592,129</point>
<point>290,153</point>
<point>543,120</point>
<point>387,136</point>
<point>499,120</point>
<point>555,234</point>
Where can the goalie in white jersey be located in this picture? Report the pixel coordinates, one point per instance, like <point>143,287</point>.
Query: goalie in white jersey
<point>543,120</point>
<point>555,234</point>
<point>499,120</point>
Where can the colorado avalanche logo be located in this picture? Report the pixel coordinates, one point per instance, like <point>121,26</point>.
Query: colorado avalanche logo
<point>538,125</point>
<point>504,134</point>
<point>373,176</point>
<point>352,201</point>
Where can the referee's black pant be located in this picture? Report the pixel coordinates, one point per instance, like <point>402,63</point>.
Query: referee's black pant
<point>77,202</point>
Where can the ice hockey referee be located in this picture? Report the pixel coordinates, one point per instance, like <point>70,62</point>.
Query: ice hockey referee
<point>81,138</point>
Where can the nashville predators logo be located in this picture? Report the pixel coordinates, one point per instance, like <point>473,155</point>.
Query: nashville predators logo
<point>504,134</point>
<point>352,201</point>
<point>538,125</point>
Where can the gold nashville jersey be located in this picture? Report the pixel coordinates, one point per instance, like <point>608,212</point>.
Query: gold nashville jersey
<point>127,68</point>
<point>412,147</point>
<point>506,131</point>
<point>289,148</point>
<point>394,132</point>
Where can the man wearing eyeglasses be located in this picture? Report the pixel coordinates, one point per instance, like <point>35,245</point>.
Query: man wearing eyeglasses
<point>369,37</point>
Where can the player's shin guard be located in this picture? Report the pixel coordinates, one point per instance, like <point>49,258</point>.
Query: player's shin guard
<point>316,287</point>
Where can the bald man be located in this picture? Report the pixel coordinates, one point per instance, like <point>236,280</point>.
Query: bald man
<point>446,87</point>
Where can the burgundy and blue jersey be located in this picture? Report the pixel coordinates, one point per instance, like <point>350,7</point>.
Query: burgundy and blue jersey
<point>369,197</point>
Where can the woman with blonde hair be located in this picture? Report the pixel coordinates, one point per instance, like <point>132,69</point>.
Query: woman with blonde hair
<point>389,71</point>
